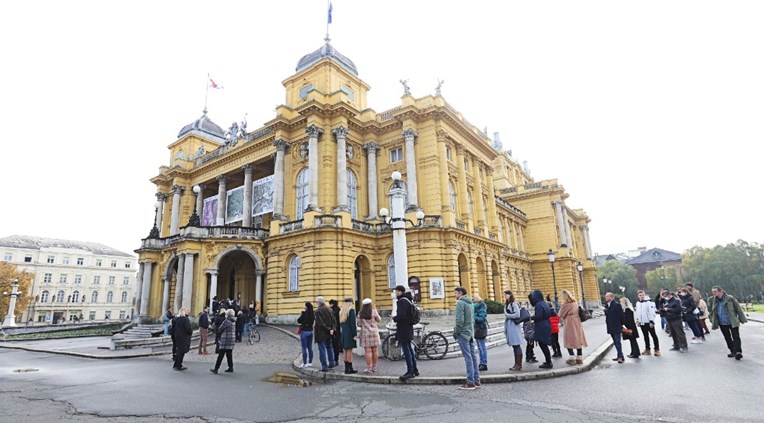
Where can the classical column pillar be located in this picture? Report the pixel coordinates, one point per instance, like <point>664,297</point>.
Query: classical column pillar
<point>587,247</point>
<point>561,224</point>
<point>139,287</point>
<point>188,281</point>
<point>443,170</point>
<point>342,168</point>
<point>247,218</point>
<point>213,286</point>
<point>200,200</point>
<point>523,238</point>
<point>462,182</point>
<point>221,213</point>
<point>569,239</point>
<point>281,147</point>
<point>492,201</point>
<point>478,215</point>
<point>411,168</point>
<point>165,293</point>
<point>176,211</point>
<point>259,290</point>
<point>178,297</point>
<point>314,132</point>
<point>372,148</point>
<point>161,197</point>
<point>146,288</point>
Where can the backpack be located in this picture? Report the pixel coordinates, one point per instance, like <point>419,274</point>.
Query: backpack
<point>416,312</point>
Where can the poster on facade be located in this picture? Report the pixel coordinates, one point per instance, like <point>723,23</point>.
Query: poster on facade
<point>235,205</point>
<point>210,211</point>
<point>436,288</point>
<point>263,196</point>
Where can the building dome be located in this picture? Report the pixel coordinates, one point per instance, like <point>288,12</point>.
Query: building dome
<point>204,126</point>
<point>326,51</point>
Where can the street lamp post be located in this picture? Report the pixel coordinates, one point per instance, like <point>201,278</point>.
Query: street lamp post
<point>154,233</point>
<point>10,318</point>
<point>194,219</point>
<point>579,267</point>
<point>551,257</point>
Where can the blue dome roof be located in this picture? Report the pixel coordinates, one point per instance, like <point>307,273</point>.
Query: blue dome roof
<point>326,51</point>
<point>205,126</point>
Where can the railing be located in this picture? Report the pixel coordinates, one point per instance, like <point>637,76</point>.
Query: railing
<point>293,226</point>
<point>388,114</point>
<point>327,221</point>
<point>510,206</point>
<point>431,221</point>
<point>478,231</point>
<point>236,231</point>
<point>508,190</point>
<point>460,224</point>
<point>211,155</point>
<point>359,225</point>
<point>492,236</point>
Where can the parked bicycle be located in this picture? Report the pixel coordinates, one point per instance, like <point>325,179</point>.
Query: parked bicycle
<point>433,345</point>
<point>252,332</point>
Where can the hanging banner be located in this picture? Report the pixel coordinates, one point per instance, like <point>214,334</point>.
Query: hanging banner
<point>235,205</point>
<point>263,196</point>
<point>210,211</point>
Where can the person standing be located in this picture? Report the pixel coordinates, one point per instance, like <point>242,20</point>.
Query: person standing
<point>323,330</point>
<point>691,315</point>
<point>204,325</point>
<point>703,316</point>
<point>306,321</point>
<point>573,331</point>
<point>614,319</point>
<point>673,311</point>
<point>348,334</point>
<point>645,315</point>
<point>227,331</point>
<point>370,334</point>
<point>726,313</point>
<point>464,331</point>
<point>513,333</point>
<point>217,322</point>
<point>167,319</point>
<point>336,337</point>
<point>555,328</point>
<point>630,323</point>
<point>404,319</point>
<point>481,331</point>
<point>239,324</point>
<point>182,332</point>
<point>542,328</point>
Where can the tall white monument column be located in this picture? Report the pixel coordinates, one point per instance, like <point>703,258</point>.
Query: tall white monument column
<point>188,281</point>
<point>221,212</point>
<point>372,148</point>
<point>314,132</point>
<point>247,218</point>
<point>146,288</point>
<point>176,211</point>
<point>411,168</point>
<point>281,147</point>
<point>342,168</point>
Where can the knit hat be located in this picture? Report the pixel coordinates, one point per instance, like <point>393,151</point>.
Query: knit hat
<point>366,301</point>
<point>348,299</point>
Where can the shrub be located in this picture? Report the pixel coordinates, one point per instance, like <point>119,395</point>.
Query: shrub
<point>493,307</point>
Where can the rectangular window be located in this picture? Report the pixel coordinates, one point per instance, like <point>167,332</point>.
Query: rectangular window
<point>27,259</point>
<point>51,259</point>
<point>98,262</point>
<point>77,279</point>
<point>107,315</point>
<point>80,261</point>
<point>122,314</point>
<point>448,153</point>
<point>92,315</point>
<point>304,91</point>
<point>127,265</point>
<point>467,165</point>
<point>126,280</point>
<point>396,155</point>
<point>111,280</point>
<point>48,278</point>
<point>114,263</point>
<point>66,260</point>
<point>96,280</point>
<point>8,257</point>
<point>62,279</point>
<point>348,91</point>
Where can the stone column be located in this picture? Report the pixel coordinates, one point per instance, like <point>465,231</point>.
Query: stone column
<point>176,211</point>
<point>259,290</point>
<point>178,297</point>
<point>139,288</point>
<point>220,217</point>
<point>161,197</point>
<point>165,293</point>
<point>478,197</point>
<point>314,132</point>
<point>213,286</point>
<point>146,288</point>
<point>587,247</point>
<point>342,168</point>
<point>569,239</point>
<point>281,147</point>
<point>247,218</point>
<point>561,224</point>
<point>372,148</point>
<point>411,168</point>
<point>443,170</point>
<point>200,201</point>
<point>462,182</point>
<point>523,238</point>
<point>493,224</point>
<point>188,281</point>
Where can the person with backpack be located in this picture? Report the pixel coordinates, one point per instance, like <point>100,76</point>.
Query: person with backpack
<point>513,334</point>
<point>481,331</point>
<point>405,321</point>
<point>555,326</point>
<point>542,328</point>
<point>463,333</point>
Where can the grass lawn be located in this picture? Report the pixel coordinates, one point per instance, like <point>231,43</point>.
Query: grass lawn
<point>758,308</point>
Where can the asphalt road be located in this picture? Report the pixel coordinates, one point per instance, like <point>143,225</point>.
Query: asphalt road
<point>701,386</point>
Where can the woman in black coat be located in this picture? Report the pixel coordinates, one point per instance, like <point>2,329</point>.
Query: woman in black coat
<point>629,323</point>
<point>182,332</point>
<point>239,326</point>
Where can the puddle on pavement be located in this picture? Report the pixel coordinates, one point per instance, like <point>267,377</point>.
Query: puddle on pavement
<point>289,379</point>
<point>25,370</point>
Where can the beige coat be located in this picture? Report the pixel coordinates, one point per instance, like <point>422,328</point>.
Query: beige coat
<point>573,332</point>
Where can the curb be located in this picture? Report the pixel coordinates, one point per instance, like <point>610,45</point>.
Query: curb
<point>591,361</point>
<point>91,356</point>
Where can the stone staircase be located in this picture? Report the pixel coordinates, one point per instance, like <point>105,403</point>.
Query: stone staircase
<point>495,337</point>
<point>143,331</point>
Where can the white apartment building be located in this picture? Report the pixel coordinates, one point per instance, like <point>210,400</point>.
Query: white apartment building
<point>74,280</point>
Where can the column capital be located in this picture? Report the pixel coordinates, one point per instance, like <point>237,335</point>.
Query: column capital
<point>409,134</point>
<point>178,189</point>
<point>221,179</point>
<point>247,168</point>
<point>340,132</point>
<point>372,147</point>
<point>282,145</point>
<point>161,196</point>
<point>212,272</point>
<point>314,131</point>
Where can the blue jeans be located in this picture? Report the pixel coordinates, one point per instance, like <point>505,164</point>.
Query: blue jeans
<point>482,353</point>
<point>617,337</point>
<point>471,363</point>
<point>409,357</point>
<point>326,353</point>
<point>167,327</point>
<point>306,346</point>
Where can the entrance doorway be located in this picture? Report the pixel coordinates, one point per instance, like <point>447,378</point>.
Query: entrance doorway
<point>362,281</point>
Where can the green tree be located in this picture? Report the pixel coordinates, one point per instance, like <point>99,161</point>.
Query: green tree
<point>619,275</point>
<point>736,267</point>
<point>8,273</point>
<point>663,277</point>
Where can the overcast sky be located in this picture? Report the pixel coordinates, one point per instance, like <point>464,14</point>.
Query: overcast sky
<point>649,113</point>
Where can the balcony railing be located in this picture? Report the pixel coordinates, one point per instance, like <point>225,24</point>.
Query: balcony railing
<point>293,226</point>
<point>460,225</point>
<point>327,221</point>
<point>205,232</point>
<point>431,221</point>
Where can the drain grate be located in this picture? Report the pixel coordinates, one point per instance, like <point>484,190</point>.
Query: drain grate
<point>26,370</point>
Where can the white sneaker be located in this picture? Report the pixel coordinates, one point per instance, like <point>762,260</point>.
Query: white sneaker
<point>695,341</point>
<point>309,365</point>
<point>302,366</point>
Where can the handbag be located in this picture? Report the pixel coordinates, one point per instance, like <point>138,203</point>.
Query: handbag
<point>481,330</point>
<point>299,330</point>
<point>584,315</point>
<point>626,331</point>
<point>525,316</point>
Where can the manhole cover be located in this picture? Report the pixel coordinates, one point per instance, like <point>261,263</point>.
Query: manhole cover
<point>289,379</point>
<point>25,370</point>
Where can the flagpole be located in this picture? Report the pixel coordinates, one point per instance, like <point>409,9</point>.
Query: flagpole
<point>207,88</point>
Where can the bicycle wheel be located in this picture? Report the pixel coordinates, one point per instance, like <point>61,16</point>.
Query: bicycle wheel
<point>435,345</point>
<point>391,349</point>
<point>256,335</point>
<point>249,337</point>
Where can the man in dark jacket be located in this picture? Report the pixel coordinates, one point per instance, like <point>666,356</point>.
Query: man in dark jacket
<point>614,319</point>
<point>672,310</point>
<point>324,329</point>
<point>726,313</point>
<point>336,337</point>
<point>182,333</point>
<point>404,319</point>
<point>204,325</point>
<point>542,327</point>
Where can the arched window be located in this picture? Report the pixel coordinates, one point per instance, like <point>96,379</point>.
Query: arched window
<point>485,210</point>
<point>44,296</point>
<point>301,193</point>
<point>60,297</point>
<point>470,204</point>
<point>352,194</point>
<point>76,296</point>
<point>94,297</point>
<point>501,231</point>
<point>109,297</point>
<point>294,273</point>
<point>391,272</point>
<point>123,300</point>
<point>390,197</point>
<point>452,197</point>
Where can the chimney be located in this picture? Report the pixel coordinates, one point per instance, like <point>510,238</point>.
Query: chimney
<point>497,142</point>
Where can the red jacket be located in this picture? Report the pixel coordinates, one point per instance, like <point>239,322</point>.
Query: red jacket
<point>555,323</point>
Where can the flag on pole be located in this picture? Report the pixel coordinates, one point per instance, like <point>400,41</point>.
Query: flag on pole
<point>329,13</point>
<point>214,85</point>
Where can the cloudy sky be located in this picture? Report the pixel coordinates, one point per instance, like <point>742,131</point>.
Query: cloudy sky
<point>649,113</point>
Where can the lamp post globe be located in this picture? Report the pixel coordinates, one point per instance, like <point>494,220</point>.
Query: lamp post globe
<point>580,268</point>
<point>194,219</point>
<point>551,258</point>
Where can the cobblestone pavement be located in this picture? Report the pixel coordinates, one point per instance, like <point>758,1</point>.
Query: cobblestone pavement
<point>275,346</point>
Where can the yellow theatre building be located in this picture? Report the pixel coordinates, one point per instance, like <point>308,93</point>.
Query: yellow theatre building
<point>290,211</point>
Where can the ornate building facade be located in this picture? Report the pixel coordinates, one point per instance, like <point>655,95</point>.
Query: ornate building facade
<point>290,211</point>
